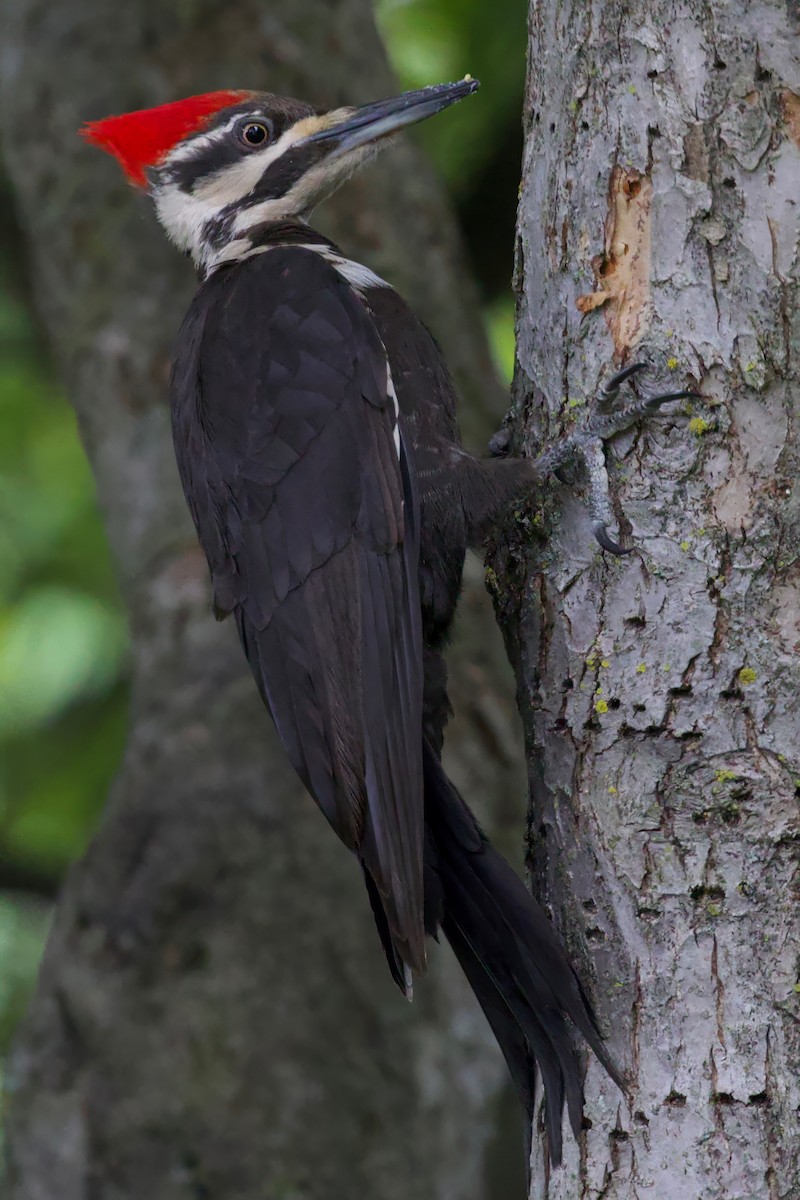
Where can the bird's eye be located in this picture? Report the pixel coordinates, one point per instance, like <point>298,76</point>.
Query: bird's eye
<point>255,133</point>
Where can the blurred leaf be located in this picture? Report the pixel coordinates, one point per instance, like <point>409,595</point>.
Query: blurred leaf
<point>47,508</point>
<point>23,928</point>
<point>14,320</point>
<point>431,41</point>
<point>421,42</point>
<point>56,647</point>
<point>54,783</point>
<point>62,632</point>
<point>499,317</point>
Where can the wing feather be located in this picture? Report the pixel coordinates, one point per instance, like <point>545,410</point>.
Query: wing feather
<point>285,438</point>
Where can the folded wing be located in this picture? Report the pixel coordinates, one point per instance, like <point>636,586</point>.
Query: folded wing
<point>302,490</point>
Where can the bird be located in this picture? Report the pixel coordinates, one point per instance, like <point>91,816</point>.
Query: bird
<point>315,431</point>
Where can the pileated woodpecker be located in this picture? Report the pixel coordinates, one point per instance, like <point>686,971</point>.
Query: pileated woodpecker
<point>315,432</point>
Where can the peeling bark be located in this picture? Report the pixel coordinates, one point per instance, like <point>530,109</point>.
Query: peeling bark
<point>214,1016</point>
<point>623,269</point>
<point>660,692</point>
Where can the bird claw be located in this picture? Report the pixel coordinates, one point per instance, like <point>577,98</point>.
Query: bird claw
<point>616,381</point>
<point>607,543</point>
<point>588,446</point>
<point>653,403</point>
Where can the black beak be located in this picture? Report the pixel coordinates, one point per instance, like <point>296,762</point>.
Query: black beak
<point>373,121</point>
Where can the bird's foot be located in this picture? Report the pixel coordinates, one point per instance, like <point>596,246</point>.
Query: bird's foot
<point>585,447</point>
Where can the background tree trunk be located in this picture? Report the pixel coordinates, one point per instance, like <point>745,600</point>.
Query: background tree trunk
<point>214,1017</point>
<point>660,692</point>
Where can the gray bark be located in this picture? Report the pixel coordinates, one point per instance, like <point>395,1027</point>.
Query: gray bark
<point>658,220</point>
<point>213,1016</point>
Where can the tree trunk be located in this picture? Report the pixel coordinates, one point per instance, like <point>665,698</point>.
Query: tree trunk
<point>659,692</point>
<point>214,1016</point>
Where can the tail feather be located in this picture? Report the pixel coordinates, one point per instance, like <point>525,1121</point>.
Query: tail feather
<point>501,959</point>
<point>510,1038</point>
<point>511,957</point>
<point>396,964</point>
<point>547,961</point>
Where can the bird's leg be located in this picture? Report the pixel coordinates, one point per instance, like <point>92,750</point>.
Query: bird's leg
<point>494,482</point>
<point>586,447</point>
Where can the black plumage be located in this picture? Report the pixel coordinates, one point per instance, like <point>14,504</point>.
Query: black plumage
<point>285,438</point>
<point>341,562</point>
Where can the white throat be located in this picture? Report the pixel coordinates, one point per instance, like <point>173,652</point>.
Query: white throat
<point>187,215</point>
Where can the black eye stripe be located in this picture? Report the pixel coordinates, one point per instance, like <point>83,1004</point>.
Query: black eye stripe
<point>229,147</point>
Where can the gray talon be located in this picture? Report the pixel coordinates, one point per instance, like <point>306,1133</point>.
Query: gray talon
<point>587,445</point>
<point>616,381</point>
<point>607,543</point>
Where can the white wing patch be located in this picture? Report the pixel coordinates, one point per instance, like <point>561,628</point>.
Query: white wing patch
<point>185,215</point>
<point>393,397</point>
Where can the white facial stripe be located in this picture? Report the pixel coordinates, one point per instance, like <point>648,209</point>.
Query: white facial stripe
<point>183,217</point>
<point>189,148</point>
<point>312,187</point>
<point>237,180</point>
<point>185,214</point>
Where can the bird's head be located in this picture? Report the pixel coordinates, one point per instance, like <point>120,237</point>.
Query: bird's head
<point>221,164</point>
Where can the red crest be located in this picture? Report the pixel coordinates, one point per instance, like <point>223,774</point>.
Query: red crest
<point>141,139</point>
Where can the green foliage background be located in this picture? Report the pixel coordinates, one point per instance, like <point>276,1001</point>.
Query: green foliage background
<point>63,641</point>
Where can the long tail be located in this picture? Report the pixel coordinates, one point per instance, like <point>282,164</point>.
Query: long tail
<point>510,954</point>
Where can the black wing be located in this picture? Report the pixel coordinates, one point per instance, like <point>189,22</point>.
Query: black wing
<point>302,490</point>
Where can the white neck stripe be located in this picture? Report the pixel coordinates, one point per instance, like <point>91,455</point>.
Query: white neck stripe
<point>356,274</point>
